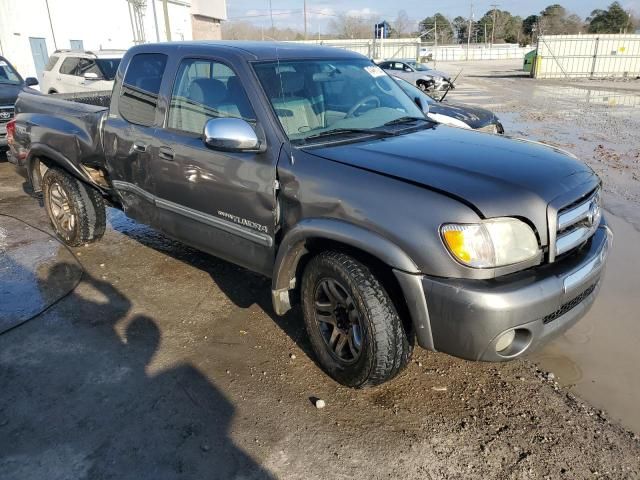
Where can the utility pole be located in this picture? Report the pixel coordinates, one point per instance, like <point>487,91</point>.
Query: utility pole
<point>493,27</point>
<point>155,19</point>
<point>270,14</point>
<point>435,38</point>
<point>469,30</point>
<point>53,34</point>
<point>167,25</point>
<point>305,19</point>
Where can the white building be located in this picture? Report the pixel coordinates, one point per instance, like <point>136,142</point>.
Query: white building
<point>30,30</point>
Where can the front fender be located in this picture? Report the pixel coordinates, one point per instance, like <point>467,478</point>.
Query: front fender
<point>293,247</point>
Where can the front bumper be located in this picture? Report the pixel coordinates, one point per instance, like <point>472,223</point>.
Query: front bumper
<point>466,318</point>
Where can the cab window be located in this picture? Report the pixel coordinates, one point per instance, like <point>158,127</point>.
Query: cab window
<point>141,88</point>
<point>206,89</point>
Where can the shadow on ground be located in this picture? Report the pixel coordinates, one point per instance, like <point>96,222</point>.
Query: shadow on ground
<point>242,287</point>
<point>96,412</point>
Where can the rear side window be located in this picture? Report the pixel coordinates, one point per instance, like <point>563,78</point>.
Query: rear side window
<point>69,65</point>
<point>87,65</point>
<point>141,87</point>
<point>53,59</point>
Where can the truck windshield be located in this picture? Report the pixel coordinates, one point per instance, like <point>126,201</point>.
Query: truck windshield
<point>8,74</point>
<point>108,67</point>
<point>313,98</point>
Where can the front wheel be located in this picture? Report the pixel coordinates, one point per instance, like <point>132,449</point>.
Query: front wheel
<point>76,210</point>
<point>354,328</point>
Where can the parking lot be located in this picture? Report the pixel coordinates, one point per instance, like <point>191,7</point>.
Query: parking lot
<point>138,357</point>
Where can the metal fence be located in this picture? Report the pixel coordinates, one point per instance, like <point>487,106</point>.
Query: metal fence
<point>378,49</point>
<point>413,48</point>
<point>587,56</point>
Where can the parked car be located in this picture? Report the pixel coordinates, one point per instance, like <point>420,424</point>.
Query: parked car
<point>419,74</point>
<point>71,71</point>
<point>10,85</point>
<point>328,178</point>
<point>425,53</point>
<point>452,114</point>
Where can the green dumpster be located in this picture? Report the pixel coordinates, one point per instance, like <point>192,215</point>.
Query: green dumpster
<point>529,58</point>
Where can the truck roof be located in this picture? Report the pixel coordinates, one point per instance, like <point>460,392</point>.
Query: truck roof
<point>253,50</point>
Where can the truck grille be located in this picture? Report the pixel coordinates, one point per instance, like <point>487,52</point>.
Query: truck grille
<point>567,307</point>
<point>578,222</point>
<point>6,113</point>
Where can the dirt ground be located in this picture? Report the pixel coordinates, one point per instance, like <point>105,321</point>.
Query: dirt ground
<point>151,360</point>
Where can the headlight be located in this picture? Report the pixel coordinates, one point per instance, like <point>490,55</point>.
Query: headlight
<point>491,128</point>
<point>491,243</point>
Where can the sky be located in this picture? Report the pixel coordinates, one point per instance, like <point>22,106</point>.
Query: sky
<point>288,13</point>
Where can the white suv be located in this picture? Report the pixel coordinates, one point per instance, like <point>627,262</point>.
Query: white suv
<point>71,71</point>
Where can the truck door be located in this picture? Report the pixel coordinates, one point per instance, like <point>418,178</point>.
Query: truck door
<point>128,134</point>
<point>219,202</point>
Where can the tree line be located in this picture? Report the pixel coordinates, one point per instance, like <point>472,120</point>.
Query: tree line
<point>500,26</point>
<point>495,26</point>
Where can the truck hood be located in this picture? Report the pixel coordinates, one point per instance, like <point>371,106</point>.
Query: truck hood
<point>9,93</point>
<point>473,116</point>
<point>495,175</point>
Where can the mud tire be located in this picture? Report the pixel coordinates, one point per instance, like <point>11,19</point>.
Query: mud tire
<point>385,348</point>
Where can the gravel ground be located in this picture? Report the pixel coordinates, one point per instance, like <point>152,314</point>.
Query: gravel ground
<point>167,363</point>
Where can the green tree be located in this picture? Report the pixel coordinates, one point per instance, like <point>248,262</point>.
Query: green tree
<point>612,20</point>
<point>556,20</point>
<point>439,23</point>
<point>460,27</point>
<point>507,27</point>
<point>530,26</point>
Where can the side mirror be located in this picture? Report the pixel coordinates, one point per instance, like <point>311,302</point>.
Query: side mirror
<point>91,76</point>
<point>424,106</point>
<point>408,69</point>
<point>31,81</point>
<point>231,134</point>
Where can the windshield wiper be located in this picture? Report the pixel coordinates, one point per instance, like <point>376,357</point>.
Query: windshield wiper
<point>403,120</point>
<point>339,131</point>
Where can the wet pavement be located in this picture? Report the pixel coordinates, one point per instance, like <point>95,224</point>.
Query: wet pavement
<point>164,362</point>
<point>36,271</point>
<point>598,358</point>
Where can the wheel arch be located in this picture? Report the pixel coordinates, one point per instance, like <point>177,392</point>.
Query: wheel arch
<point>400,273</point>
<point>42,157</point>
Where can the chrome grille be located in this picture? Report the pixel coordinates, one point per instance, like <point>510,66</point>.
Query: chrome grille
<point>578,222</point>
<point>6,113</point>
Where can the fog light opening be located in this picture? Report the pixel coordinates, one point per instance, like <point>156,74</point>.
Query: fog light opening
<point>505,341</point>
<point>513,342</point>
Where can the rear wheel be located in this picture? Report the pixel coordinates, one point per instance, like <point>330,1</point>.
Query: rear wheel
<point>355,330</point>
<point>76,211</point>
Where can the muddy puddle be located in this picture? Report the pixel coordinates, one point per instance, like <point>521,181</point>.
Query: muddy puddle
<point>598,358</point>
<point>35,272</point>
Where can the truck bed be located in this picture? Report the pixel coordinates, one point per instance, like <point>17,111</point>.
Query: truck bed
<point>67,124</point>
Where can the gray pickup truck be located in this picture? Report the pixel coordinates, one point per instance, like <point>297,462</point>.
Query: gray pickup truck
<point>311,166</point>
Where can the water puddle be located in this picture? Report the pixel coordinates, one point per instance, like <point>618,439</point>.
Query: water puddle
<point>35,272</point>
<point>574,95</point>
<point>598,358</point>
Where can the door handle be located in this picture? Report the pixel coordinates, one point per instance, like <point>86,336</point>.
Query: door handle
<point>165,153</point>
<point>139,147</point>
